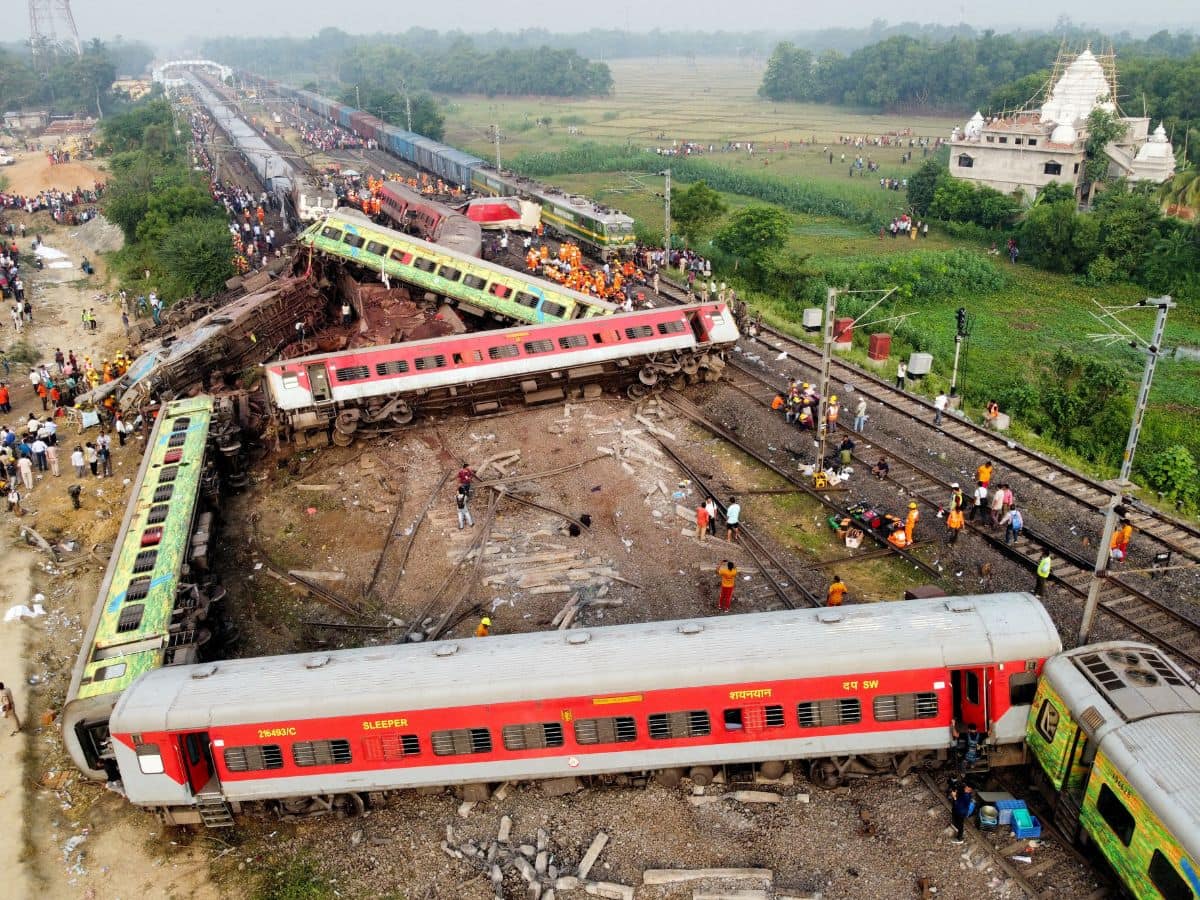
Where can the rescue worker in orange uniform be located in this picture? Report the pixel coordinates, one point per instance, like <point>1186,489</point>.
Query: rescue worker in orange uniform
<point>484,628</point>
<point>910,522</point>
<point>836,593</point>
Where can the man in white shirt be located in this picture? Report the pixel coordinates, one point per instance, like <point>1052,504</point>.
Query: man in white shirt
<point>939,407</point>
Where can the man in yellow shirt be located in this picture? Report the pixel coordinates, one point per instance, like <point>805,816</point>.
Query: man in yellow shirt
<point>836,593</point>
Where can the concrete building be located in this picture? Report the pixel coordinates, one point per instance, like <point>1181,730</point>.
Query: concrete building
<point>1029,149</point>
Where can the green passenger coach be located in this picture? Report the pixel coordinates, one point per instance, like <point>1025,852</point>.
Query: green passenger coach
<point>1115,730</point>
<point>145,616</point>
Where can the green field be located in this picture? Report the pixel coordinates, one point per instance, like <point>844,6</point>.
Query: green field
<point>1016,328</point>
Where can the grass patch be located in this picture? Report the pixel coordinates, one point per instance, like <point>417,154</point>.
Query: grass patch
<point>297,880</point>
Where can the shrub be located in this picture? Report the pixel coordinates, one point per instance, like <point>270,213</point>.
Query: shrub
<point>1173,473</point>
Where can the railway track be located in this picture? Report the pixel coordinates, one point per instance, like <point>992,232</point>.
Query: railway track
<point>1146,616</point>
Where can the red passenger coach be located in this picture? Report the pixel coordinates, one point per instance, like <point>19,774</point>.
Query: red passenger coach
<point>390,384</point>
<point>852,690</point>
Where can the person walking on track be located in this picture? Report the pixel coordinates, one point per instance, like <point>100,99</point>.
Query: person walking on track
<point>1043,573</point>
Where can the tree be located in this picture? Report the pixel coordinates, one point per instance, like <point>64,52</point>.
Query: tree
<point>923,184</point>
<point>790,74</point>
<point>1056,237</point>
<point>1103,127</point>
<point>1173,473</point>
<point>1055,192</point>
<point>695,209</point>
<point>197,254</point>
<point>753,232</point>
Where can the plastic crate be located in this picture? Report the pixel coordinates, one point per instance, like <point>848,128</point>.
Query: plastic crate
<point>1025,824</point>
<point>1006,807</point>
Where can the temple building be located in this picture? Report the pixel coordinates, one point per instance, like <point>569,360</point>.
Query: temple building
<point>1026,150</point>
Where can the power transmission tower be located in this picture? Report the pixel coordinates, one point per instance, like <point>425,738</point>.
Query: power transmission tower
<point>51,29</point>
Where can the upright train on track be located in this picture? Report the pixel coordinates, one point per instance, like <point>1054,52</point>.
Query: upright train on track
<point>154,602</point>
<point>388,386</point>
<point>600,228</point>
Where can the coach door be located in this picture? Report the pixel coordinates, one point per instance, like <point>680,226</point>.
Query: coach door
<point>196,750</point>
<point>970,698</point>
<point>318,380</point>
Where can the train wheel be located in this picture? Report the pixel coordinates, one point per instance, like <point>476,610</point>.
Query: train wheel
<point>773,769</point>
<point>824,773</point>
<point>701,775</point>
<point>669,777</point>
<point>342,440</point>
<point>690,365</point>
<point>346,421</point>
<point>403,414</point>
<point>348,806</point>
<point>679,382</point>
<point>636,391</point>
<point>648,376</point>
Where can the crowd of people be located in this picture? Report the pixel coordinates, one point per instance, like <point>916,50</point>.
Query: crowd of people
<point>65,207</point>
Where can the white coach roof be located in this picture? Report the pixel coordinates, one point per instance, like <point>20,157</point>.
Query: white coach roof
<point>738,649</point>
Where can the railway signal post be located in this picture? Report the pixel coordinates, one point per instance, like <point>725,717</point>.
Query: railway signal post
<point>1152,349</point>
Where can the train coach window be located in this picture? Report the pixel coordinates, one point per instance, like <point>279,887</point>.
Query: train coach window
<point>138,589</point>
<point>391,367</point>
<point>553,309</point>
<point>104,673</point>
<point>253,758</point>
<point>450,273</point>
<point>611,730</point>
<point>168,474</point>
<point>500,290</point>
<point>181,424</point>
<point>503,351</point>
<point>533,736</point>
<point>543,346</point>
<point>527,299</point>
<point>663,726</point>
<point>438,361</point>
<point>149,759</point>
<point>474,282</point>
<point>1021,688</point>
<point>353,373</point>
<point>900,707</point>
<point>611,336</point>
<point>1115,814</point>
<point>824,713</point>
<point>573,340</point>
<point>1167,880</point>
<point>773,716</point>
<point>391,747</point>
<point>377,248</point>
<point>145,561</point>
<point>639,331</point>
<point>425,265</point>
<point>401,257</point>
<point>353,240</point>
<point>672,327</point>
<point>733,720</point>
<point>290,381</point>
<point>461,741</point>
<point>163,493</point>
<point>130,618</point>
<point>332,233</point>
<point>322,753</point>
<point>157,514</point>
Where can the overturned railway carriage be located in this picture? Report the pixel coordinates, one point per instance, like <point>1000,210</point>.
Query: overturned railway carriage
<point>600,228</point>
<point>856,689</point>
<point>474,285</point>
<point>412,213</point>
<point>153,606</point>
<point>1115,729</point>
<point>388,386</point>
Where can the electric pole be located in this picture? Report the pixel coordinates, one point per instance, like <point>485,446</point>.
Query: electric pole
<point>667,213</point>
<point>823,380</point>
<point>1153,349</point>
<point>496,138</point>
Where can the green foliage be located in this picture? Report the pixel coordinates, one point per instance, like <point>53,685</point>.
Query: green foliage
<point>789,74</point>
<point>957,200</point>
<point>1082,404</point>
<point>72,85</point>
<point>922,274</point>
<point>1103,127</point>
<point>695,209</point>
<point>297,880</point>
<point>1055,192</point>
<point>753,232</point>
<point>167,207</point>
<point>1174,474</point>
<point>196,253</point>
<point>1055,237</point>
<point>390,105</point>
<point>786,273</point>
<point>923,183</point>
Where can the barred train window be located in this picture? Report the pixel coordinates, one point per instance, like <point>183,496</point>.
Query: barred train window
<point>430,362</point>
<point>901,707</point>
<point>425,265</point>
<point>663,726</point>
<point>673,327</point>
<point>541,346</point>
<point>322,753</point>
<point>461,741</point>
<point>551,308</point>
<point>573,340</point>
<point>474,282</point>
<point>503,351</point>
<point>611,730</point>
<point>353,240</point>
<point>377,248</point>
<point>391,367</point>
<point>533,736</point>
<point>824,713</point>
<point>353,373</point>
<point>130,618</point>
<point>253,758</point>
<point>391,747</point>
<point>639,331</point>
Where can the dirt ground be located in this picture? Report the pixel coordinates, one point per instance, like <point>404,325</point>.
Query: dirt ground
<point>68,843</point>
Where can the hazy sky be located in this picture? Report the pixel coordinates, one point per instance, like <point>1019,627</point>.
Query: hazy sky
<point>170,23</point>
